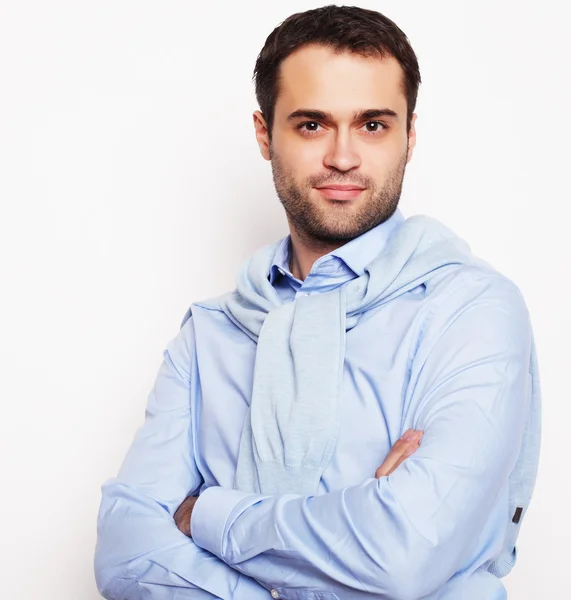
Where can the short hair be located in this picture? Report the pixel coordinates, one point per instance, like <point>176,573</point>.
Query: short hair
<point>344,29</point>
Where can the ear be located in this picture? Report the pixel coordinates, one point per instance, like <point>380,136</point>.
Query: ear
<point>411,138</point>
<point>262,134</point>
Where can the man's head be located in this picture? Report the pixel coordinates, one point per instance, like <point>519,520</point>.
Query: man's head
<point>337,89</point>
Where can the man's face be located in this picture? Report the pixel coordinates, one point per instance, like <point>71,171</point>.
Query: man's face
<point>347,144</point>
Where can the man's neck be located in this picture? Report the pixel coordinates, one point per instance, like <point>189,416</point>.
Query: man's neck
<point>304,251</point>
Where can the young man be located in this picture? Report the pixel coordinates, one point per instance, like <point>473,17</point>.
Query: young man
<point>256,473</point>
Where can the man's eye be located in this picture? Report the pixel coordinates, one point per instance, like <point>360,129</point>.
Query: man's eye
<point>374,126</point>
<point>309,126</point>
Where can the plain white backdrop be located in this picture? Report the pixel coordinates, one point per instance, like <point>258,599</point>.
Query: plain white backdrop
<point>131,185</point>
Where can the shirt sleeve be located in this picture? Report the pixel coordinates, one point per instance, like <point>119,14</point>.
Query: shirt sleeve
<point>140,552</point>
<point>402,536</point>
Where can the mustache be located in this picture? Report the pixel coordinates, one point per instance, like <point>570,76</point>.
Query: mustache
<point>324,180</point>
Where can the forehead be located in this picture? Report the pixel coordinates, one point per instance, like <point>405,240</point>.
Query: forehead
<point>316,77</point>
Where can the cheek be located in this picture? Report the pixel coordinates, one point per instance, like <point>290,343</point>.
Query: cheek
<point>302,161</point>
<point>309,160</point>
<point>383,158</point>
<point>388,149</point>
<point>301,150</point>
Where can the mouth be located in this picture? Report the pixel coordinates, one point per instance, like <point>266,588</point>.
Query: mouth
<point>340,192</point>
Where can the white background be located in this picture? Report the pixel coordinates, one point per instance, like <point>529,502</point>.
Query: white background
<point>131,185</point>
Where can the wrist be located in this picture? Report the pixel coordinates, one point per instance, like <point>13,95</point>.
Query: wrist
<point>183,514</point>
<point>192,502</point>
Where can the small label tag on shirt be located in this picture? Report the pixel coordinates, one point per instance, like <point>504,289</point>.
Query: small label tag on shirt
<point>517,514</point>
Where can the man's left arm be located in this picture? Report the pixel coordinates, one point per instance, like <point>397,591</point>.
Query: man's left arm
<point>405,535</point>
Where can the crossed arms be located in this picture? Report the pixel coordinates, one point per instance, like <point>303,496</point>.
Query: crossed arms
<point>377,539</point>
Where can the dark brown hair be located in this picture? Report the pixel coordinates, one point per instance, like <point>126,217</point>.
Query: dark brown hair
<point>344,29</point>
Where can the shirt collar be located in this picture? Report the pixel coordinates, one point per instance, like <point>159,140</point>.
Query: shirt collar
<point>356,254</point>
<point>280,264</point>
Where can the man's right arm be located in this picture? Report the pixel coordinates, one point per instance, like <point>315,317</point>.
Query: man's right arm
<point>140,553</point>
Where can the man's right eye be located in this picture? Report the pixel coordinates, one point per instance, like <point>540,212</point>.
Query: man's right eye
<point>308,127</point>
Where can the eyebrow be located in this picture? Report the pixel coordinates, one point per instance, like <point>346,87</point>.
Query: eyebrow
<point>359,115</point>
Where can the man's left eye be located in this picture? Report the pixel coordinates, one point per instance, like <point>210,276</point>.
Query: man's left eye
<point>374,126</point>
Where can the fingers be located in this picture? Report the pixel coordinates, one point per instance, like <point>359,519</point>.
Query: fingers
<point>402,449</point>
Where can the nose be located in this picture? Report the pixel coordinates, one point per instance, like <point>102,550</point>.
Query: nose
<point>341,154</point>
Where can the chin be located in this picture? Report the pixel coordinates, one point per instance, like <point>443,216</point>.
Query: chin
<point>336,232</point>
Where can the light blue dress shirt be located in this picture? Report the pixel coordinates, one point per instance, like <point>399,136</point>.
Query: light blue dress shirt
<point>429,530</point>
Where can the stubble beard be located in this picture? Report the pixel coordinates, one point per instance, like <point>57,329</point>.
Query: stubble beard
<point>338,221</point>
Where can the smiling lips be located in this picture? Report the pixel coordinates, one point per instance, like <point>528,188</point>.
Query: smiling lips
<point>340,192</point>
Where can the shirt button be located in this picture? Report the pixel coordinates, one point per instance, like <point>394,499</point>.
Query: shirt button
<point>275,594</point>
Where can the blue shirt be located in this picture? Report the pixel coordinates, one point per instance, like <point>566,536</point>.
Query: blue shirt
<point>429,530</point>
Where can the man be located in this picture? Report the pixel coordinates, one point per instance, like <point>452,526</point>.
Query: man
<point>256,473</point>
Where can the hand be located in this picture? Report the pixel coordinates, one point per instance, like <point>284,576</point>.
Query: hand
<point>403,448</point>
<point>183,514</point>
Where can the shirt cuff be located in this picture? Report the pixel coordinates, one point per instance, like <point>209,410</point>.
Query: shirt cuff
<point>215,508</point>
